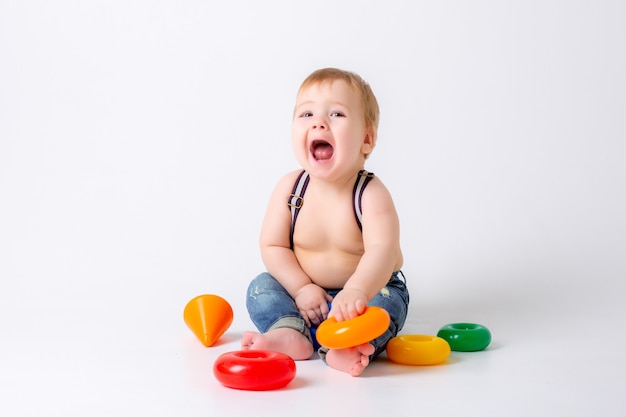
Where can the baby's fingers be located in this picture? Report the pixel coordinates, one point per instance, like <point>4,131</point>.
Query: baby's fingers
<point>324,309</point>
<point>305,317</point>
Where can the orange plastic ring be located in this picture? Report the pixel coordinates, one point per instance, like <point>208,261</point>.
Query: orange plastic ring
<point>417,349</point>
<point>368,326</point>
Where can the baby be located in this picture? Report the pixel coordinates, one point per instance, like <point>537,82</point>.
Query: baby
<point>343,253</point>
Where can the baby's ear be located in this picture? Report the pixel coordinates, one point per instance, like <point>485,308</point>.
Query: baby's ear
<point>369,142</point>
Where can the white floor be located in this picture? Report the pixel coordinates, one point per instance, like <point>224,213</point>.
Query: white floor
<point>129,353</point>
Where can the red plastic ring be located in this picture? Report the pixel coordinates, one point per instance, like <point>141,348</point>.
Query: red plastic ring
<point>254,370</point>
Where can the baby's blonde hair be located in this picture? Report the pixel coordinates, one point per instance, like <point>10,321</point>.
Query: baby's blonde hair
<point>370,104</point>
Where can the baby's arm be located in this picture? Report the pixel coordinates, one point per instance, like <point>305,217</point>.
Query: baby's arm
<point>382,254</point>
<point>280,259</point>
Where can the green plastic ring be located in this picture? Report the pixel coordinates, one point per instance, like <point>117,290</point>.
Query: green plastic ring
<point>465,337</point>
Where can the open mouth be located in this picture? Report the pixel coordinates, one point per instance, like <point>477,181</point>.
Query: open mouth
<point>321,150</point>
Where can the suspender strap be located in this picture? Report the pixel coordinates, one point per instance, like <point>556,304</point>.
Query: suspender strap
<point>362,180</point>
<point>296,199</point>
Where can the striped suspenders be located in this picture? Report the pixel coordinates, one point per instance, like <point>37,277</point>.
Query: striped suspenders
<point>296,198</point>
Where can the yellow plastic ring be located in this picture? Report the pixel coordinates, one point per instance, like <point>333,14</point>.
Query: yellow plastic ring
<point>418,349</point>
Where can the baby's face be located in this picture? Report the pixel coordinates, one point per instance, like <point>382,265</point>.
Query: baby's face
<point>329,136</point>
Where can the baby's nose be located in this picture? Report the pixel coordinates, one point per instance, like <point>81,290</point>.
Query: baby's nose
<point>319,124</point>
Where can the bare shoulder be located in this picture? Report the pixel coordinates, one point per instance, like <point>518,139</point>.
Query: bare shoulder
<point>381,225</point>
<point>286,182</point>
<point>281,192</point>
<point>277,220</point>
<point>377,196</point>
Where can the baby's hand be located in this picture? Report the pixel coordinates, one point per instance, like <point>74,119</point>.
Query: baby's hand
<point>312,302</point>
<point>348,304</point>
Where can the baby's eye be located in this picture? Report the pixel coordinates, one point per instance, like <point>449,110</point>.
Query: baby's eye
<point>337,114</point>
<point>306,114</point>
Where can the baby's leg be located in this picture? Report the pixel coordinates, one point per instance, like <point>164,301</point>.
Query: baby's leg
<point>273,311</point>
<point>353,360</point>
<point>283,339</point>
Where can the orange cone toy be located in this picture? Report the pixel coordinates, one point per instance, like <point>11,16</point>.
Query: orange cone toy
<point>208,316</point>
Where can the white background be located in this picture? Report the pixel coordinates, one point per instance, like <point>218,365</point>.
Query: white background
<point>139,142</point>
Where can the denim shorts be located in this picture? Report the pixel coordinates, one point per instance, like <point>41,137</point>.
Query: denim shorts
<point>270,307</point>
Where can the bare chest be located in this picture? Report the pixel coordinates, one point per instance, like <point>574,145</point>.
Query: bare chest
<point>328,225</point>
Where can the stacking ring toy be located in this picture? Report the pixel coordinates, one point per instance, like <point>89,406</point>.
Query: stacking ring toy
<point>417,349</point>
<point>465,337</point>
<point>254,370</point>
<point>354,332</point>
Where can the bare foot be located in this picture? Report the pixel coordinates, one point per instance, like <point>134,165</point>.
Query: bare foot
<point>284,340</point>
<point>353,360</point>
